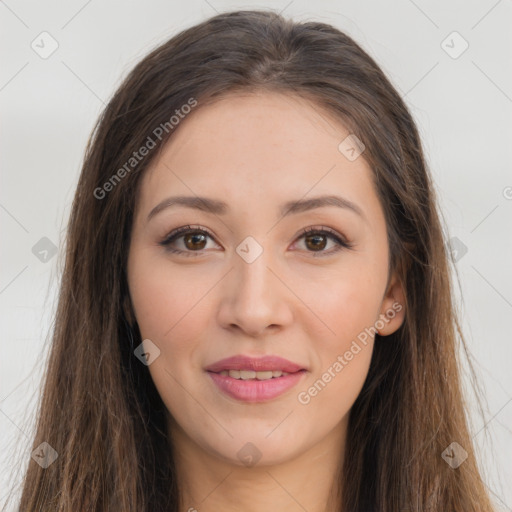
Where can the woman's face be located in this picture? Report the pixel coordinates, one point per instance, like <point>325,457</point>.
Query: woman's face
<point>246,282</point>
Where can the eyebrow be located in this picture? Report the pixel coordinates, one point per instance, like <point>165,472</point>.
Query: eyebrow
<point>218,207</point>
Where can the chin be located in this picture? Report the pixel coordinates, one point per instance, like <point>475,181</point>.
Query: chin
<point>250,451</point>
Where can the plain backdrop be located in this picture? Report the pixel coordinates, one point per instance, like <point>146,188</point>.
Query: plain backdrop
<point>451,61</point>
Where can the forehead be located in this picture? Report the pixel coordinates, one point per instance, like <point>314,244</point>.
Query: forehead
<point>260,122</point>
<point>256,147</point>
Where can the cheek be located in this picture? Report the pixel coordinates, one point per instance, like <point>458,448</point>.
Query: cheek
<point>343,303</point>
<point>343,357</point>
<point>350,314</point>
<point>171,310</point>
<point>347,306</point>
<point>332,393</point>
<point>167,302</point>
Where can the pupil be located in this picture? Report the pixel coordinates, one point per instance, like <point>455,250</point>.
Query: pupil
<point>316,237</point>
<point>195,237</point>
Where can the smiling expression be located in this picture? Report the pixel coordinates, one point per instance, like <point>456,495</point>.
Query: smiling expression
<point>284,255</point>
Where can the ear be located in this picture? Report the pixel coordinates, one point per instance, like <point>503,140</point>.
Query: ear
<point>392,313</point>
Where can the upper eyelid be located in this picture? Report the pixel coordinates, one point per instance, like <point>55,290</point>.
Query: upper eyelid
<point>330,232</point>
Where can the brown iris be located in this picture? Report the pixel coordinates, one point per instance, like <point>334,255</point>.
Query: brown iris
<point>316,238</point>
<point>197,238</point>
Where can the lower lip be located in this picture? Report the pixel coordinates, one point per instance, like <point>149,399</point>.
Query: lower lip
<point>256,390</point>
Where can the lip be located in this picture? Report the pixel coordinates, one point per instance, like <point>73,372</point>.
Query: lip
<point>255,390</point>
<point>258,364</point>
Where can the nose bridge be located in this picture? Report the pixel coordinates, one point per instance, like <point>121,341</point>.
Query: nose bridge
<point>254,298</point>
<point>253,280</point>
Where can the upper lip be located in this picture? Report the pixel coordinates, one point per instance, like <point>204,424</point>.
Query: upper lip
<point>257,364</point>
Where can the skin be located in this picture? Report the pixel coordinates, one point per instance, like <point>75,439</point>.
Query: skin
<point>256,151</point>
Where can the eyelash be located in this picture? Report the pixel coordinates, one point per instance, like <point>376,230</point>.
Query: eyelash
<point>178,233</point>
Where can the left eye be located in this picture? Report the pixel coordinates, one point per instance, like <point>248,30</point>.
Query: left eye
<point>318,239</point>
<point>194,240</point>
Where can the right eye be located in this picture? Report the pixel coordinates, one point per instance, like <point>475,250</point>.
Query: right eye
<point>193,240</point>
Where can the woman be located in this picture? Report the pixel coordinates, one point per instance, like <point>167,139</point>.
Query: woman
<point>255,309</point>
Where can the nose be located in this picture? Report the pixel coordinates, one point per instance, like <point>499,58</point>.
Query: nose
<point>254,297</point>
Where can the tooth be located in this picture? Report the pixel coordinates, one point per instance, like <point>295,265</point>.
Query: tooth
<point>251,374</point>
<point>247,374</point>
<point>264,375</point>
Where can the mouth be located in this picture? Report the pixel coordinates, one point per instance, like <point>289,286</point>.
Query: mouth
<point>251,379</point>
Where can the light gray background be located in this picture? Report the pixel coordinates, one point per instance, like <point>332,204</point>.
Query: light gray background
<point>462,105</point>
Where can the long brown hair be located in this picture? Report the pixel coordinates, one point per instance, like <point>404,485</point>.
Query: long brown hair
<point>99,408</point>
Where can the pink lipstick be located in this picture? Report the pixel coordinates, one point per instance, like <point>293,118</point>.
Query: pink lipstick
<point>251,379</point>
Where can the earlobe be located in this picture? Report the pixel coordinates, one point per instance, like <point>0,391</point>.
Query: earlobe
<point>392,312</point>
